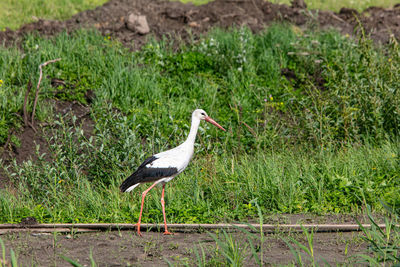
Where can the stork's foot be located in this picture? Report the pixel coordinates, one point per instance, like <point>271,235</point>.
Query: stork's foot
<point>138,230</point>
<point>168,233</point>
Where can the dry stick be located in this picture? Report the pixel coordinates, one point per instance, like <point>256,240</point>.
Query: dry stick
<point>336,17</point>
<point>250,129</point>
<point>38,85</point>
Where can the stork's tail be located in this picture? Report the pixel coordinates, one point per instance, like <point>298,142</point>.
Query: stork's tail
<point>129,184</point>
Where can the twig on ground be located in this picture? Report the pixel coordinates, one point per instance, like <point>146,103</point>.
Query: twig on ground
<point>336,17</point>
<point>38,85</point>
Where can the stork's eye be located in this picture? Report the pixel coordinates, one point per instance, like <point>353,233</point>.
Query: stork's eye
<point>203,114</point>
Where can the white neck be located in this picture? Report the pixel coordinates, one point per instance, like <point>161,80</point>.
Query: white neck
<point>193,130</point>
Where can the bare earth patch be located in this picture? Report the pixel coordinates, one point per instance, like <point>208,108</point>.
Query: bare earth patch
<point>125,248</point>
<point>186,21</point>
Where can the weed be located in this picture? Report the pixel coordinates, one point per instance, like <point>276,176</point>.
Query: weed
<point>229,247</point>
<point>13,258</point>
<point>384,244</point>
<point>309,250</point>
<point>173,246</point>
<point>77,264</point>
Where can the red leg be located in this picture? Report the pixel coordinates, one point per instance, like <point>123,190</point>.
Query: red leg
<point>141,207</point>
<point>163,210</point>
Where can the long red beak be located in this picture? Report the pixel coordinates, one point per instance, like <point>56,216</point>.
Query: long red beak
<point>208,119</point>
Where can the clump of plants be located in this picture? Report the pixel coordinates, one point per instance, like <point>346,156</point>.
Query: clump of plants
<point>311,116</point>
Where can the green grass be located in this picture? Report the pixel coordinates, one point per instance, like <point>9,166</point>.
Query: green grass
<point>358,5</point>
<point>384,249</point>
<point>292,146</point>
<point>15,13</point>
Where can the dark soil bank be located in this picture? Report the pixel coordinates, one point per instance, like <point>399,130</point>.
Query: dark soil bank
<point>176,20</point>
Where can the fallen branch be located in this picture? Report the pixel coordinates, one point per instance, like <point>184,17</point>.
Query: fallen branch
<point>38,85</point>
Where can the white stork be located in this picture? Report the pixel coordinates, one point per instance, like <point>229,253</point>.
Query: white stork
<point>163,167</point>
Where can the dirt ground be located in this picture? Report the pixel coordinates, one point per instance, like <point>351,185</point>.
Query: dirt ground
<point>179,22</point>
<point>125,248</point>
<point>183,21</point>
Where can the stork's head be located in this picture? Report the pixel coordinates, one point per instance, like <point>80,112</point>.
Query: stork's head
<point>202,115</point>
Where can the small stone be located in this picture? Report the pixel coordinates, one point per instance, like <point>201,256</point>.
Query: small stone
<point>137,23</point>
<point>194,24</point>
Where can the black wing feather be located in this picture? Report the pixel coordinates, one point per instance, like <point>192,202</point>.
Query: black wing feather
<point>144,174</point>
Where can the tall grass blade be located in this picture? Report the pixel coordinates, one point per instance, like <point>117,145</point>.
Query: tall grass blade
<point>14,262</point>
<point>71,261</point>
<point>3,250</point>
<point>296,254</point>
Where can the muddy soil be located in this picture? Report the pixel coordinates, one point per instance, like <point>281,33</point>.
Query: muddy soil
<point>125,248</point>
<point>186,21</point>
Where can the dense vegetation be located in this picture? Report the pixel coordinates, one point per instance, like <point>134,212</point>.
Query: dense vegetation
<point>312,121</point>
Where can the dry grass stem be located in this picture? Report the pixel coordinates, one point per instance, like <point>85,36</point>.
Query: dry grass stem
<point>38,85</point>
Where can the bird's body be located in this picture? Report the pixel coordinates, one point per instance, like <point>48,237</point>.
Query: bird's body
<point>161,167</point>
<point>164,166</point>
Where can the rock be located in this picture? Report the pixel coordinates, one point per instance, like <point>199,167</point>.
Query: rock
<point>137,23</point>
<point>194,24</point>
